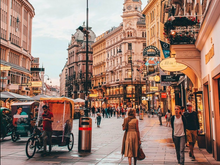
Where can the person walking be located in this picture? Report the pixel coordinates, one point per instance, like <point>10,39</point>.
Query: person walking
<point>103,112</point>
<point>178,123</point>
<point>168,119</point>
<point>106,112</point>
<point>93,111</point>
<point>192,128</point>
<point>114,111</point>
<point>159,114</point>
<point>98,119</point>
<point>131,139</point>
<point>47,128</point>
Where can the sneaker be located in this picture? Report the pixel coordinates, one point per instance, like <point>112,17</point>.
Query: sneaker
<point>193,158</point>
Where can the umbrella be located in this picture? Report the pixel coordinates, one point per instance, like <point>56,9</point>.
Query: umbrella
<point>5,96</point>
<point>79,100</point>
<point>15,95</point>
<point>39,96</point>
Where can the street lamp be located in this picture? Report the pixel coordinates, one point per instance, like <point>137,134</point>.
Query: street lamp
<point>44,86</point>
<point>86,32</point>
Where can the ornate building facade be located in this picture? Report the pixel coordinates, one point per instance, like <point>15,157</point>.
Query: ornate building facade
<point>120,81</point>
<point>76,64</point>
<point>16,37</point>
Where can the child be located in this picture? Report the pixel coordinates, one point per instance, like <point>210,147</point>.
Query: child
<point>98,119</point>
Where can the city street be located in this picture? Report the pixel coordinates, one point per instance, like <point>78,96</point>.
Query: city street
<point>106,147</point>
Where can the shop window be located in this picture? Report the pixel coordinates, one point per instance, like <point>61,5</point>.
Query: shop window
<point>129,89</point>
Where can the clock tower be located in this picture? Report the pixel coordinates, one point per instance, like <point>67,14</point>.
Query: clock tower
<point>131,12</point>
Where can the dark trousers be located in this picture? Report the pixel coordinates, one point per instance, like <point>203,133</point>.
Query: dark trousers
<point>47,138</point>
<point>180,147</point>
<point>98,122</point>
<point>160,119</point>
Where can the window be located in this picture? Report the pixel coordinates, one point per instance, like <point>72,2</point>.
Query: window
<point>129,46</point>
<point>144,45</point>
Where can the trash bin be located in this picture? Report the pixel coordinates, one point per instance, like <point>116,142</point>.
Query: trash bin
<point>85,134</point>
<point>141,114</point>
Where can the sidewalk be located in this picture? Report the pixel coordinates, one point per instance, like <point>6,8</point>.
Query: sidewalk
<point>106,147</point>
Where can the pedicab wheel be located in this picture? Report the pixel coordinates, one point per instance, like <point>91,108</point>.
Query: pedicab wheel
<point>71,142</point>
<point>31,147</point>
<point>14,136</point>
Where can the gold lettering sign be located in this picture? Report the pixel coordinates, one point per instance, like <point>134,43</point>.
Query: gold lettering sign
<point>170,64</point>
<point>209,55</point>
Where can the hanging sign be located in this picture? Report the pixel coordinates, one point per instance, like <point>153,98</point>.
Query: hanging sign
<point>169,78</point>
<point>93,95</point>
<point>170,64</point>
<point>5,67</point>
<point>166,49</point>
<point>151,51</point>
<point>157,78</point>
<point>152,61</point>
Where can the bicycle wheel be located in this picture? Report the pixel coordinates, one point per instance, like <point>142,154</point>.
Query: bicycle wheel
<point>14,136</point>
<point>71,142</point>
<point>31,147</point>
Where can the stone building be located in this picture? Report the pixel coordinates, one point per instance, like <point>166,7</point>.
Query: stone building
<point>117,56</point>
<point>16,37</point>
<point>76,64</point>
<point>63,76</point>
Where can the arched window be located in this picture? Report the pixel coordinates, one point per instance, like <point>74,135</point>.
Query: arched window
<point>130,34</point>
<point>142,34</point>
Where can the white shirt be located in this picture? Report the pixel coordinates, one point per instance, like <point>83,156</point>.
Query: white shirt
<point>178,127</point>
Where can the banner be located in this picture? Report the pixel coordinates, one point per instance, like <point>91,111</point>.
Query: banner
<point>166,49</point>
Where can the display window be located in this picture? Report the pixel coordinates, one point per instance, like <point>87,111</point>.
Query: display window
<point>129,89</point>
<point>144,89</point>
<point>121,90</point>
<point>199,108</point>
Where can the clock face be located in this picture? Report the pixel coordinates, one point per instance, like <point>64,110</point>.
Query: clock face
<point>129,7</point>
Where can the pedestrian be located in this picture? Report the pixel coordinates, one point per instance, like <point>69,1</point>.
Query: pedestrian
<point>114,111</point>
<point>111,111</point>
<point>168,118</point>
<point>182,110</point>
<point>103,112</point>
<point>123,112</point>
<point>98,119</point>
<point>152,112</point>
<point>178,123</point>
<point>137,111</point>
<point>131,139</point>
<point>93,111</point>
<point>159,114</point>
<point>47,128</point>
<point>192,128</point>
<point>106,112</point>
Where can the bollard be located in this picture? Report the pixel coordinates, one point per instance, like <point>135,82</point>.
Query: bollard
<point>85,134</point>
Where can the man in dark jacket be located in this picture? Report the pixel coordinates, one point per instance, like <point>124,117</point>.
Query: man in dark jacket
<point>192,128</point>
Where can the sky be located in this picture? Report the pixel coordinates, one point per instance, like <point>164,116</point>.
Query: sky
<point>56,20</point>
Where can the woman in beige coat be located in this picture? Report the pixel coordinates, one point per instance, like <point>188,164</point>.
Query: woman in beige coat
<point>131,140</point>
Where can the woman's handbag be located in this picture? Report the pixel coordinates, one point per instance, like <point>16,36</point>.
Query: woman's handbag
<point>141,155</point>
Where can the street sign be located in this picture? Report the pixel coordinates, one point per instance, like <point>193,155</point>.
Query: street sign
<point>26,84</point>
<point>5,67</point>
<point>36,83</point>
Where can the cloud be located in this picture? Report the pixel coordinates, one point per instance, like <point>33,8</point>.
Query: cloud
<point>55,21</point>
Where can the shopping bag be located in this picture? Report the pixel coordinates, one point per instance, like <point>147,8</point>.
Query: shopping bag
<point>141,155</point>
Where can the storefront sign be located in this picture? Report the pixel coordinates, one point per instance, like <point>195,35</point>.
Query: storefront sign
<point>37,91</point>
<point>157,78</point>
<point>151,78</point>
<point>165,83</point>
<point>209,55</point>
<point>5,67</point>
<point>151,51</point>
<point>26,84</point>
<point>169,78</point>
<point>14,87</point>
<point>153,88</point>
<point>93,95</point>
<point>4,78</point>
<point>170,64</point>
<point>152,61</point>
<point>163,95</point>
<point>36,83</point>
<point>151,69</point>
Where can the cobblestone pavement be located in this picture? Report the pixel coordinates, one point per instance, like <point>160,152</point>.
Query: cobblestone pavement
<point>106,147</point>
